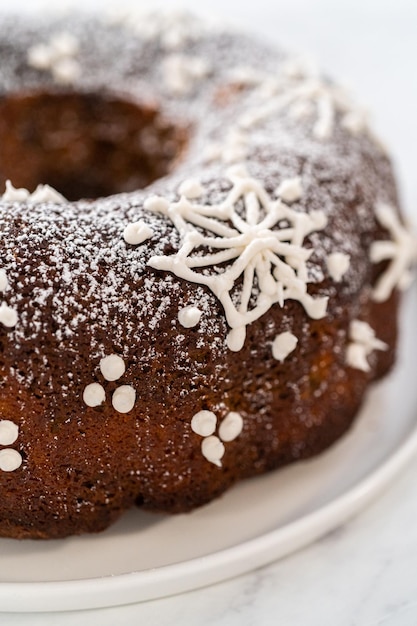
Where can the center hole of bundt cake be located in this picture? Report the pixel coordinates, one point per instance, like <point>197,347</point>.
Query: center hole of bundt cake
<point>84,145</point>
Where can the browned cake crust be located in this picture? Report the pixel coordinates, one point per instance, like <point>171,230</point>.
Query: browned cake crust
<point>238,384</point>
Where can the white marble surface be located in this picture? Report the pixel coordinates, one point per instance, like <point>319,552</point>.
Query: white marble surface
<point>364,574</point>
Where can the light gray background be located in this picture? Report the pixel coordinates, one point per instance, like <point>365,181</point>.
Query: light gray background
<point>365,574</point>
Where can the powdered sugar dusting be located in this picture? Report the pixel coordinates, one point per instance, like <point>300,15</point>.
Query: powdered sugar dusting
<point>78,284</point>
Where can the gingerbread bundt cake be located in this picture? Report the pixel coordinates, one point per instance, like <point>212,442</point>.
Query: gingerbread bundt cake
<point>221,308</point>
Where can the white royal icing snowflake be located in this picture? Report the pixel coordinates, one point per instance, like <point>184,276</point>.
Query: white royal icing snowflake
<point>248,250</point>
<point>401,251</point>
<point>300,90</point>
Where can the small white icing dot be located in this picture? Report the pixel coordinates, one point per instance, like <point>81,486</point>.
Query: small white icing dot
<point>363,343</point>
<point>4,283</point>
<point>213,450</point>
<point>15,195</point>
<point>8,316</point>
<point>66,70</point>
<point>10,460</point>
<point>212,152</point>
<point>64,44</point>
<point>124,399</point>
<point>204,423</point>
<point>290,190</point>
<point>231,426</point>
<point>9,432</point>
<point>181,72</point>
<point>360,331</point>
<point>189,316</point>
<point>356,354</point>
<point>283,345</point>
<point>137,233</point>
<point>94,395</point>
<point>156,204</point>
<point>246,75</point>
<point>191,188</point>
<point>112,367</point>
<point>57,56</point>
<point>40,56</point>
<point>338,264</point>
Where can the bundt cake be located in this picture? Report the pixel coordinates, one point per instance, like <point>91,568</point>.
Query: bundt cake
<point>201,258</point>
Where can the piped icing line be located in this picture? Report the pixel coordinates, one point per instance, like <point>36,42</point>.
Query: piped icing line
<point>204,424</point>
<point>253,246</point>
<point>363,342</point>
<point>400,251</point>
<point>213,450</point>
<point>58,56</point>
<point>300,92</point>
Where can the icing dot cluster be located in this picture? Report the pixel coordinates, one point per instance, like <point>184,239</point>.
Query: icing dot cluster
<point>204,424</point>
<point>137,233</point>
<point>112,368</point>
<point>189,316</point>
